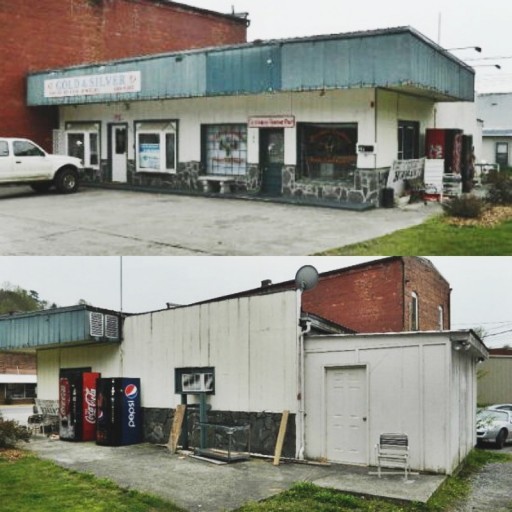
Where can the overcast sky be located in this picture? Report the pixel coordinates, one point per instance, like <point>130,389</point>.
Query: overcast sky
<point>463,23</point>
<point>481,297</point>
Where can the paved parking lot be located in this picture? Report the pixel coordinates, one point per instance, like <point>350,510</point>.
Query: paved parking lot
<point>113,222</point>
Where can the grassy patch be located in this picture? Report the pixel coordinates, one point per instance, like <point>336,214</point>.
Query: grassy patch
<point>436,237</point>
<point>306,497</point>
<point>35,485</point>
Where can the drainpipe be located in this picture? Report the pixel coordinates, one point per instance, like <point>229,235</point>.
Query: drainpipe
<point>303,330</point>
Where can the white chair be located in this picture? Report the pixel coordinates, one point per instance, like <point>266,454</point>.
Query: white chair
<point>393,452</point>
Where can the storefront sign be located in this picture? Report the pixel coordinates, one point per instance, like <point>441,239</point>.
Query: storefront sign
<point>91,85</point>
<point>149,155</point>
<point>272,122</point>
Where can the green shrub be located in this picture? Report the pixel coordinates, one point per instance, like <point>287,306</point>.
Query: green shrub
<point>11,432</point>
<point>500,188</point>
<point>466,206</point>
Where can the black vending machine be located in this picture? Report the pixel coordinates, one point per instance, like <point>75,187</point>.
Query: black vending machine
<point>119,417</point>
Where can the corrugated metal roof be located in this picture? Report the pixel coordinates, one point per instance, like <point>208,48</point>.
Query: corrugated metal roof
<point>57,327</point>
<point>398,58</point>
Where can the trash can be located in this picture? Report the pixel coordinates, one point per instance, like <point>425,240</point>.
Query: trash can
<point>388,198</point>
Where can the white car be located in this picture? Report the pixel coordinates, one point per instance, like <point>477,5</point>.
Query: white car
<point>493,426</point>
<point>23,162</point>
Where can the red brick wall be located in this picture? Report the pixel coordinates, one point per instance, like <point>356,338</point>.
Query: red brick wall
<point>15,362</point>
<point>371,298</point>
<point>365,299</point>
<point>45,34</point>
<point>432,290</point>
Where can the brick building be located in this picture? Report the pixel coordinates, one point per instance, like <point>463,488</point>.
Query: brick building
<point>388,295</point>
<point>394,294</point>
<point>54,33</point>
<point>17,377</point>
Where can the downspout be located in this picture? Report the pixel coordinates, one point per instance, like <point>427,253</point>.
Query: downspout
<point>301,414</point>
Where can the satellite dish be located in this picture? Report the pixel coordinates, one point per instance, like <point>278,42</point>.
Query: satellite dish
<point>306,278</point>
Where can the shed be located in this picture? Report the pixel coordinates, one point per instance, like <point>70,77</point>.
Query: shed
<point>423,384</point>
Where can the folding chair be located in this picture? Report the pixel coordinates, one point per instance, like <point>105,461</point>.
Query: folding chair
<point>393,452</point>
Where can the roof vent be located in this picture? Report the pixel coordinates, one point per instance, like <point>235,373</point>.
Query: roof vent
<point>266,282</point>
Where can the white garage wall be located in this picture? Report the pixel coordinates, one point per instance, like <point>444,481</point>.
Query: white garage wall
<point>251,343</point>
<point>412,388</point>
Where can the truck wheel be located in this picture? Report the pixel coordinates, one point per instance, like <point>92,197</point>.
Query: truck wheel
<point>66,180</point>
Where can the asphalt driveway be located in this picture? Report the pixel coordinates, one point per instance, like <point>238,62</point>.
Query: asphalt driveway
<point>113,222</point>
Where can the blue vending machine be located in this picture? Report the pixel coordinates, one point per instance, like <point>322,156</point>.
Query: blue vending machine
<point>119,415</point>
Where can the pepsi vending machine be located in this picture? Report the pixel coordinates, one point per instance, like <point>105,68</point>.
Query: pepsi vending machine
<point>77,405</point>
<point>119,418</point>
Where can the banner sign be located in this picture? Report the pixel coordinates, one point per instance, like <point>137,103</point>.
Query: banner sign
<point>91,85</point>
<point>272,122</point>
<point>405,170</point>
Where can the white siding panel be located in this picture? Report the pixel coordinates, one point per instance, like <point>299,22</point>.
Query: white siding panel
<point>251,343</point>
<point>101,358</point>
<point>409,390</point>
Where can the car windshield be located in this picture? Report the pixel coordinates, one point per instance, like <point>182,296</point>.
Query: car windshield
<point>488,415</point>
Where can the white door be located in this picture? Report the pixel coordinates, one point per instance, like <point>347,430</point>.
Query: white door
<point>346,410</point>
<point>119,148</point>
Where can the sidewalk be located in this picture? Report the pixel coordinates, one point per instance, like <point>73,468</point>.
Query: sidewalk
<point>199,485</point>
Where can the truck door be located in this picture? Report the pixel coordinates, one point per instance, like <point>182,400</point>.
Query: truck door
<point>5,161</point>
<point>30,162</point>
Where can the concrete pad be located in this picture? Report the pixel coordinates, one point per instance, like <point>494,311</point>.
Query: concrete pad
<point>114,222</point>
<point>199,485</point>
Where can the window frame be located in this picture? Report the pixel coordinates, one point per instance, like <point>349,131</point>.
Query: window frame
<point>346,170</point>
<point>86,128</point>
<point>242,151</point>
<point>162,128</point>
<point>415,312</point>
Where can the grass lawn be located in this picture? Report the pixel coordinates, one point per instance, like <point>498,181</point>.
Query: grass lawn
<point>35,485</point>
<point>31,484</point>
<point>436,237</point>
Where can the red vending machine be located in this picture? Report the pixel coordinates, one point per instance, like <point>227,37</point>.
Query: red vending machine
<point>446,145</point>
<point>77,405</point>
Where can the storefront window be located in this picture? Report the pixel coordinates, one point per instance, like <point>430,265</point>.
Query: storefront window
<point>156,147</point>
<point>20,391</point>
<point>327,151</point>
<point>226,149</point>
<point>82,140</point>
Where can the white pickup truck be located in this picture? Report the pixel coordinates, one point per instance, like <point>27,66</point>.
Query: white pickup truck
<point>22,162</point>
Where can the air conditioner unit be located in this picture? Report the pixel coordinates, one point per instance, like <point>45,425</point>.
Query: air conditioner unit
<point>111,326</point>
<point>196,382</point>
<point>96,324</point>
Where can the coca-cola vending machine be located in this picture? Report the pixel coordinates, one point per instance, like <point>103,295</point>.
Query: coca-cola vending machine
<point>442,144</point>
<point>119,419</point>
<point>77,405</point>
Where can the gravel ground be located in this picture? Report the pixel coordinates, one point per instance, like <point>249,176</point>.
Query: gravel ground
<point>491,489</point>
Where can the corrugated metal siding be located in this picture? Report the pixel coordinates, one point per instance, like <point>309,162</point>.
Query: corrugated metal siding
<point>244,71</point>
<point>495,381</point>
<point>44,329</point>
<point>391,59</point>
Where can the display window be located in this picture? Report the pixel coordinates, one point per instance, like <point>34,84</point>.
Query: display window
<point>327,151</point>
<point>225,149</point>
<point>83,142</point>
<point>156,146</point>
